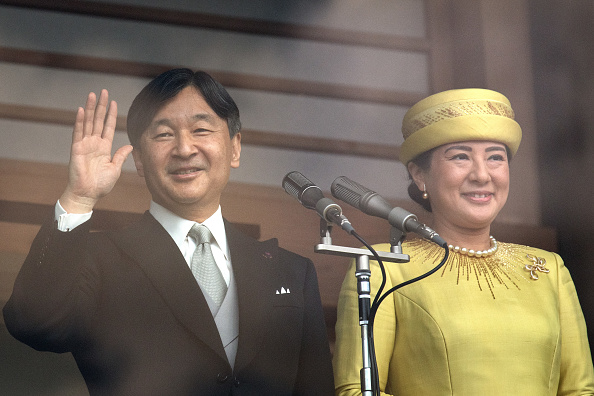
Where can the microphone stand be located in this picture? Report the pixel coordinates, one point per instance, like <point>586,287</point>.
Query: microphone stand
<point>363,274</point>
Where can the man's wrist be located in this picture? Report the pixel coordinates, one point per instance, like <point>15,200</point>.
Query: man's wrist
<point>68,221</point>
<point>76,205</point>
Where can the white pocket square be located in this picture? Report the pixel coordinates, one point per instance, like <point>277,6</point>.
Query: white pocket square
<point>283,291</point>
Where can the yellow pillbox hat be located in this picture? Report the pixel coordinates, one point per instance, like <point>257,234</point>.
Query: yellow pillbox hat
<point>459,115</point>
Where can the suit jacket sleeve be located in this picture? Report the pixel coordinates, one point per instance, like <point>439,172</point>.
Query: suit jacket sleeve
<point>53,287</point>
<point>82,292</point>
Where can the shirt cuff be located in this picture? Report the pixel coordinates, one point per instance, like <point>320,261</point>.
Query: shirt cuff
<point>69,221</point>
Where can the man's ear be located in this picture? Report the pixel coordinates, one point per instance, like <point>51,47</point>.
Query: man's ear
<point>236,150</point>
<point>138,162</point>
<point>417,175</point>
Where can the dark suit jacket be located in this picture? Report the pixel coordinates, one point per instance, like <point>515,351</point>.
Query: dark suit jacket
<point>126,305</point>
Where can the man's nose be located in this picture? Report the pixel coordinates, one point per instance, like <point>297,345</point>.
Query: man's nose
<point>185,145</point>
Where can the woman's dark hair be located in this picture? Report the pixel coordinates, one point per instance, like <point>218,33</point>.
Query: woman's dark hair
<point>166,86</point>
<point>423,161</point>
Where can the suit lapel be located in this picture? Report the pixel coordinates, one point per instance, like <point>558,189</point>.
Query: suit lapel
<point>156,253</point>
<point>253,264</point>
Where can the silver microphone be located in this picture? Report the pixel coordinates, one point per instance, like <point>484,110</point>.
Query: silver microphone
<point>371,203</point>
<point>312,197</point>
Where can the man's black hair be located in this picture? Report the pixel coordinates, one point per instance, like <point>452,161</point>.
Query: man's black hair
<point>166,86</point>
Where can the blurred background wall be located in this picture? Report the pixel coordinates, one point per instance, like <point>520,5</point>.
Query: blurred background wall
<point>563,57</point>
<point>322,87</point>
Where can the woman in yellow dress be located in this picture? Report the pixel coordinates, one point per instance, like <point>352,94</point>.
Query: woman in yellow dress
<point>498,318</point>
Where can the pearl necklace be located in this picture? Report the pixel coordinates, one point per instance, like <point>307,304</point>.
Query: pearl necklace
<point>478,253</point>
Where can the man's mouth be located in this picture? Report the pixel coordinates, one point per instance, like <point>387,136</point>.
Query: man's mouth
<point>185,171</point>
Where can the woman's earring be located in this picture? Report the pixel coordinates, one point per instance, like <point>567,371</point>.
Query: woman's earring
<point>425,195</point>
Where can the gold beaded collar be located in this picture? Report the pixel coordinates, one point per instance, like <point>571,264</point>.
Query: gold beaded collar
<point>503,263</point>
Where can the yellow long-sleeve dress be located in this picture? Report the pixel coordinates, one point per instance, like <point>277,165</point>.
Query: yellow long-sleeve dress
<point>478,326</point>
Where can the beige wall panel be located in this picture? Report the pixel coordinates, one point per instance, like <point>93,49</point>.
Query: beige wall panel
<point>63,89</point>
<point>285,113</point>
<point>29,141</point>
<point>39,183</point>
<point>319,117</point>
<point>214,50</point>
<point>259,165</point>
<point>508,69</point>
<point>268,167</point>
<point>15,241</point>
<point>399,17</point>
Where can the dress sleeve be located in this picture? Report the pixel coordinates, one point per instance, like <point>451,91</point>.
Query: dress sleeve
<point>576,375</point>
<point>348,350</point>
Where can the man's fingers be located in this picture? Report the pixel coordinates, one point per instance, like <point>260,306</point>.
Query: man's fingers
<point>121,154</point>
<point>96,118</point>
<point>77,132</point>
<point>110,121</point>
<point>99,114</point>
<point>89,114</point>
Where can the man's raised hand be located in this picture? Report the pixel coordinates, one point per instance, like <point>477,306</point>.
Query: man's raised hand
<point>92,171</point>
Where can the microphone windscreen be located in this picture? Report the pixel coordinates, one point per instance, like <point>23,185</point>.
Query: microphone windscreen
<point>299,186</point>
<point>292,183</point>
<point>348,191</point>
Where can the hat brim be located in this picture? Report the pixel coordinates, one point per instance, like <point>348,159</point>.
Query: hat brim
<point>484,127</point>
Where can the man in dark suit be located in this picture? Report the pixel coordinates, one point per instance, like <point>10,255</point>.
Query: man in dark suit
<point>134,306</point>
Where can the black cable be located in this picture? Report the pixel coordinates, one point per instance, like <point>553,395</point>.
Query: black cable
<point>375,387</point>
<point>380,263</point>
<point>374,308</point>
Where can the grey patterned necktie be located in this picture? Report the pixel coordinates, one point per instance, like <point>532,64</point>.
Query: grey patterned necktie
<point>204,267</point>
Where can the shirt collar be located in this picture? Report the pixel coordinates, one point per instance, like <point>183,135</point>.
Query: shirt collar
<point>178,227</point>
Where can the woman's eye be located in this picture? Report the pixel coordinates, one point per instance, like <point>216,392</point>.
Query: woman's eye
<point>498,157</point>
<point>459,156</point>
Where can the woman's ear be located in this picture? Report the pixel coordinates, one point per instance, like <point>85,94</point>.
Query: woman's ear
<point>417,174</point>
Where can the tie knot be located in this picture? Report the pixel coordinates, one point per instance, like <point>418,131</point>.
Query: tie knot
<point>200,233</point>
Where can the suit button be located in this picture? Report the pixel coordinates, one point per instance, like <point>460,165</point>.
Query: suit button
<point>222,377</point>
<point>236,382</point>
